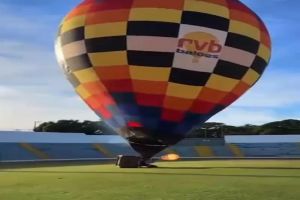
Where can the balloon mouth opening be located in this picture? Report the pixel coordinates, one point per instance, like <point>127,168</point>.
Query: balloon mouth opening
<point>170,157</point>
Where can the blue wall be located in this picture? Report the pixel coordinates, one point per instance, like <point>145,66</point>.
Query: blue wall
<point>38,151</point>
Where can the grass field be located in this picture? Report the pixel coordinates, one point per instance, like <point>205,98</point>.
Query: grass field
<point>198,180</point>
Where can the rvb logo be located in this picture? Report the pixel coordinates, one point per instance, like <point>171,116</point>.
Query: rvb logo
<point>198,45</point>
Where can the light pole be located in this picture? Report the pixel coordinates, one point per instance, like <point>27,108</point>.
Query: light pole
<point>36,124</point>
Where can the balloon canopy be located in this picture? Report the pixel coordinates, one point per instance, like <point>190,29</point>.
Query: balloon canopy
<point>155,69</point>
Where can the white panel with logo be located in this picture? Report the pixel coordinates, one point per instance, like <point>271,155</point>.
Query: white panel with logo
<point>199,48</point>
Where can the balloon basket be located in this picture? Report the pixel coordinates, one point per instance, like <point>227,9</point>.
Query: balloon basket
<point>124,161</point>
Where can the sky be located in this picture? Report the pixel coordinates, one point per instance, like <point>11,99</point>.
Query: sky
<point>34,89</point>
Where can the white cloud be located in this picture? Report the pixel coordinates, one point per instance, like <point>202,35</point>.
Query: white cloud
<point>18,57</point>
<point>20,108</point>
<point>33,88</point>
<point>32,85</point>
<point>241,116</point>
<point>271,99</point>
<point>276,89</point>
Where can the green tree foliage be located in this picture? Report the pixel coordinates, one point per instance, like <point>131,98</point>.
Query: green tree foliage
<point>289,126</point>
<point>216,130</point>
<point>75,126</point>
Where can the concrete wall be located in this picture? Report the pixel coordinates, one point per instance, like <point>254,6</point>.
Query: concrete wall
<point>262,139</point>
<point>25,146</point>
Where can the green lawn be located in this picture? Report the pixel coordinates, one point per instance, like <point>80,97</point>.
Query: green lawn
<point>199,180</point>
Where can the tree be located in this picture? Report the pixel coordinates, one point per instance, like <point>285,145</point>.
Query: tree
<point>74,126</point>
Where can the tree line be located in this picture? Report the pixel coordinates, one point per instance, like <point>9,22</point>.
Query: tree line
<point>217,130</point>
<point>75,126</point>
<point>207,130</point>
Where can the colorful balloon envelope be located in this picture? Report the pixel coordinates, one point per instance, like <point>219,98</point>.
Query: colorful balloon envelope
<point>155,69</point>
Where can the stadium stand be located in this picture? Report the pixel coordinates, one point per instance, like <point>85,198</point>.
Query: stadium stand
<point>19,146</point>
<point>14,151</point>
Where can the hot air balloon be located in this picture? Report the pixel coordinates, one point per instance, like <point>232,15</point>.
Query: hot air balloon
<point>155,69</point>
